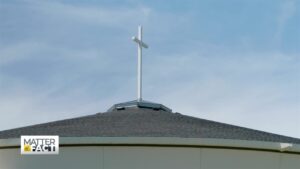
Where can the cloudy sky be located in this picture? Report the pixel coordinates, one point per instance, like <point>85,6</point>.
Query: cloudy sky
<point>232,61</point>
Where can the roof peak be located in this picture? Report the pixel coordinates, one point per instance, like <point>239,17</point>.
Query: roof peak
<point>139,104</point>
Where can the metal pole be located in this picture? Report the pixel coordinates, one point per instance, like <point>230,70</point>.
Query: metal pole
<point>139,80</point>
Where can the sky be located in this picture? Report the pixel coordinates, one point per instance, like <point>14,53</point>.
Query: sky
<point>232,61</point>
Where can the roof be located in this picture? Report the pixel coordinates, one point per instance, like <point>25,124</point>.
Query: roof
<point>144,122</point>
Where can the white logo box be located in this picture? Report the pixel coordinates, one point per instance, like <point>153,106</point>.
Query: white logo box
<point>39,144</point>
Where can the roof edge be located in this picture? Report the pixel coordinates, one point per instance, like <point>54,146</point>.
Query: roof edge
<point>168,141</point>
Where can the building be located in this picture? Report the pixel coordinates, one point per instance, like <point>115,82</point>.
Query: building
<point>144,135</point>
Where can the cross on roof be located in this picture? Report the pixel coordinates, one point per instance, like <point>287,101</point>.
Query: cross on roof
<point>141,44</point>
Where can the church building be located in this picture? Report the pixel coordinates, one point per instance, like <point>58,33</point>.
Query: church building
<point>145,135</point>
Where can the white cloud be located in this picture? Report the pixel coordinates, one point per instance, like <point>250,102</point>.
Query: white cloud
<point>57,96</point>
<point>253,90</point>
<point>91,14</point>
<point>16,52</point>
<point>287,11</point>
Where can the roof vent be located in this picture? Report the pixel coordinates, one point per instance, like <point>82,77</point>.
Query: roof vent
<point>139,104</point>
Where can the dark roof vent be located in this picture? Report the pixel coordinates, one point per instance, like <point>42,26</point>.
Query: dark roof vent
<point>139,104</point>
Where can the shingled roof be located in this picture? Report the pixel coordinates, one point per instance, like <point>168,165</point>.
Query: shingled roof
<point>143,122</point>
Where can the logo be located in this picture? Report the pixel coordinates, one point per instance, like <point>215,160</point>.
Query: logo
<point>39,144</point>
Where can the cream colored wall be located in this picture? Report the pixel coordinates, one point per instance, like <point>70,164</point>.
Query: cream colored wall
<point>151,158</point>
<point>68,158</point>
<point>113,157</point>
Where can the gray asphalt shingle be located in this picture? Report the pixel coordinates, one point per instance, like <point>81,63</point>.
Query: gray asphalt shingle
<point>143,122</point>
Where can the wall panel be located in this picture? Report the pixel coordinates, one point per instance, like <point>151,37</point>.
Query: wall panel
<point>151,158</point>
<point>290,161</point>
<point>68,158</point>
<point>238,159</point>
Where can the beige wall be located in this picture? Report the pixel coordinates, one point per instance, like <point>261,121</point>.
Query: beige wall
<point>112,157</point>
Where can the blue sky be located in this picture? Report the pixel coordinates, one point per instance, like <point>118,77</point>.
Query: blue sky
<point>232,61</point>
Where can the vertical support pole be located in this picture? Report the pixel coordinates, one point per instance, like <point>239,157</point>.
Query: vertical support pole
<point>139,79</point>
